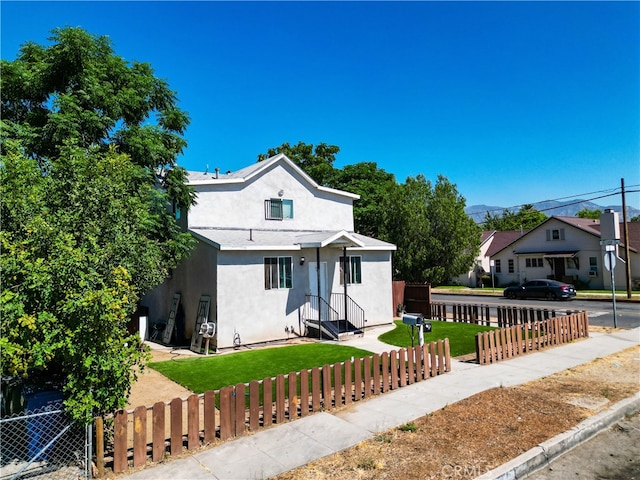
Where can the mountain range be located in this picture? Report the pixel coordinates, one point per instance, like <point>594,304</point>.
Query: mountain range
<point>550,207</point>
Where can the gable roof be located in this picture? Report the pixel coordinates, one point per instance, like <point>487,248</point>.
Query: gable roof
<point>248,173</point>
<point>503,239</point>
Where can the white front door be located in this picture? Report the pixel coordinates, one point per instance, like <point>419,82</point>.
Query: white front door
<point>313,288</point>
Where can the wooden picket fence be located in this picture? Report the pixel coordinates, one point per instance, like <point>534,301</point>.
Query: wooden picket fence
<point>145,434</point>
<point>503,316</point>
<point>508,342</point>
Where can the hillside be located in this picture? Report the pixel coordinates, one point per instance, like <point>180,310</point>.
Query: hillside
<point>551,207</point>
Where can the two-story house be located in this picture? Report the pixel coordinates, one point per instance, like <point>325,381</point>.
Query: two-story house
<point>276,255</point>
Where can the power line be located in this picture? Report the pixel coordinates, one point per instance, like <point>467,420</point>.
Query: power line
<point>612,192</point>
<point>582,200</point>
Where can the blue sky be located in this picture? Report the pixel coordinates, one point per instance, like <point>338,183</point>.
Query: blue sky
<point>514,102</point>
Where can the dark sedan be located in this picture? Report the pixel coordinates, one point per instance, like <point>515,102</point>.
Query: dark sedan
<point>549,289</point>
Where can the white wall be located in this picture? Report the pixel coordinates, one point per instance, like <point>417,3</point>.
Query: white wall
<point>195,277</point>
<point>242,205</point>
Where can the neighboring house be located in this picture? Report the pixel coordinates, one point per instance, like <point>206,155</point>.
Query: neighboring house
<point>490,242</point>
<point>566,249</point>
<point>271,255</point>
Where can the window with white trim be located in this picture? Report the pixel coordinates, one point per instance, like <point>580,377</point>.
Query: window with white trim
<point>278,209</point>
<point>354,270</point>
<point>278,272</point>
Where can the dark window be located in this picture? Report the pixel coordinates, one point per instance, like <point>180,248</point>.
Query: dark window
<point>353,270</point>
<point>511,269</point>
<point>498,266</point>
<point>277,272</point>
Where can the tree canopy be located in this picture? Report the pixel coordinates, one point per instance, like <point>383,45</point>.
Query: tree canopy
<point>525,218</point>
<point>88,186</point>
<point>373,185</point>
<point>436,239</point>
<point>593,213</point>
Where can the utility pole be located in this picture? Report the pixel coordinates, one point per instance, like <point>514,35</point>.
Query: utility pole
<point>626,239</point>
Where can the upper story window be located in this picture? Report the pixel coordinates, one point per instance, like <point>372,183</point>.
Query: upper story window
<point>353,270</point>
<point>555,234</point>
<point>278,272</point>
<point>278,209</point>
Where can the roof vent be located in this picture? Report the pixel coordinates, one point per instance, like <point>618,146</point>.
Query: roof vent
<point>217,172</point>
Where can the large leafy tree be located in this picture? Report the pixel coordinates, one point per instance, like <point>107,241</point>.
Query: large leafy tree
<point>373,185</point>
<point>436,239</point>
<point>88,185</point>
<point>525,218</point>
<point>317,162</point>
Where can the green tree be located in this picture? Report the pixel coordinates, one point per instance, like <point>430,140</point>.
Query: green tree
<point>317,162</point>
<point>589,213</point>
<point>525,218</point>
<point>373,185</point>
<point>87,140</point>
<point>436,239</point>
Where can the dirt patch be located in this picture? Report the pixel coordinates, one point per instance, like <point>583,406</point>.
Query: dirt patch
<point>470,437</point>
<point>153,387</point>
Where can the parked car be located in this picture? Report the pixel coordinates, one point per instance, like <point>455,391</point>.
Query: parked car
<point>549,289</point>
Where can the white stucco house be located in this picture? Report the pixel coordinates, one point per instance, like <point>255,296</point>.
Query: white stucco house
<point>566,249</point>
<point>491,241</point>
<point>276,253</point>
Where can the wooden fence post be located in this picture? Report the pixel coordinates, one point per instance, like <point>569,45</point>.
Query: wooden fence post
<point>279,398</point>
<point>375,364</point>
<point>120,442</point>
<point>267,402</point>
<point>357,382</point>
<point>316,389</point>
<point>225,413</point>
<point>326,387</point>
<point>209,416</point>
<point>254,405</point>
<point>348,382</point>
<point>139,436</point>
<point>99,427</point>
<point>337,383</point>
<point>367,376</point>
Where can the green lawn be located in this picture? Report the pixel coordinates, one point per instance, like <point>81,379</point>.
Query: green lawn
<point>200,374</point>
<point>461,335</point>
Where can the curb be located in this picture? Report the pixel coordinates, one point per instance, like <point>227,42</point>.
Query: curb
<point>547,451</point>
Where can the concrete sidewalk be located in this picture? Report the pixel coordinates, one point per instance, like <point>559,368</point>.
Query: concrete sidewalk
<point>290,445</point>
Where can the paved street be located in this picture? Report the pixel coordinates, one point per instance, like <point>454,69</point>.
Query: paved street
<point>611,455</point>
<point>600,311</point>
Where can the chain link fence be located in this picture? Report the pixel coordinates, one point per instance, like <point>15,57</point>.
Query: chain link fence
<point>43,442</point>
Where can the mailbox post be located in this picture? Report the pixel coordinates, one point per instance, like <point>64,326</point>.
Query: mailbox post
<point>416,320</point>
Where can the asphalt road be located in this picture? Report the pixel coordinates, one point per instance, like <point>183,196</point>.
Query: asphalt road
<point>610,455</point>
<point>600,311</point>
